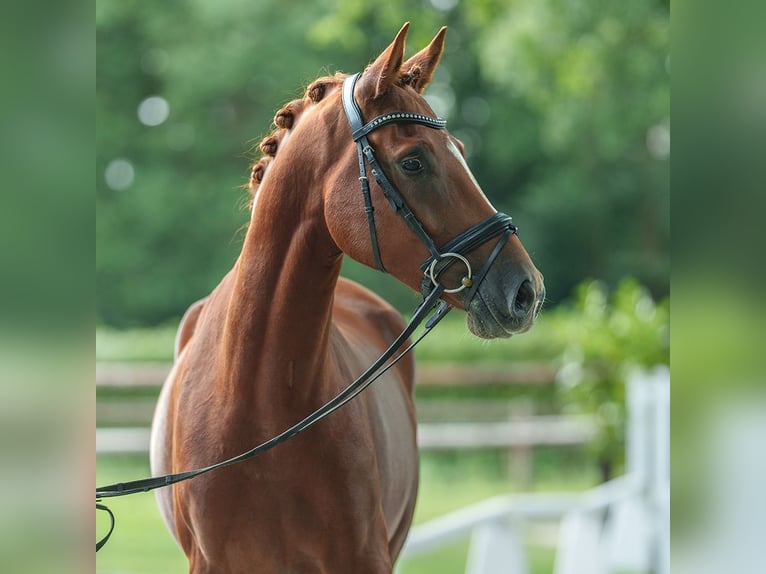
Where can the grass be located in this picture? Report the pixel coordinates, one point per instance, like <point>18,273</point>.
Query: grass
<point>142,545</point>
<point>140,542</point>
<point>450,339</point>
<point>144,344</point>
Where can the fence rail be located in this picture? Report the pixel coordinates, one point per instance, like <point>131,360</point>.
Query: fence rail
<point>137,375</point>
<point>510,426</point>
<point>535,431</point>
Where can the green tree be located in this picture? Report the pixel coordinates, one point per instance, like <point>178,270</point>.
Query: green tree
<point>555,101</point>
<point>223,68</point>
<point>594,74</point>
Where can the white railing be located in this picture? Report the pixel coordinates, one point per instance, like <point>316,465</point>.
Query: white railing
<point>619,526</point>
<point>534,431</point>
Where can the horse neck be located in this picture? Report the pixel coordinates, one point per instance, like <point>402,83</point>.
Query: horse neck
<point>279,315</point>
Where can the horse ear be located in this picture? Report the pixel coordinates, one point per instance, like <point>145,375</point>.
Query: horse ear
<point>384,71</point>
<point>419,69</point>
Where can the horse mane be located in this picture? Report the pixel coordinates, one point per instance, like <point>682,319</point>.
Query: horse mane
<point>286,117</point>
<point>289,115</point>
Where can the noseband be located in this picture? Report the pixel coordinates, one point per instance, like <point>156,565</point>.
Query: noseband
<point>439,259</point>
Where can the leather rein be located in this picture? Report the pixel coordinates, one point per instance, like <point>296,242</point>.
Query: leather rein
<point>438,261</point>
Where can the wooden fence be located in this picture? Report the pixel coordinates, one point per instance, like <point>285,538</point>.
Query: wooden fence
<point>148,375</point>
<point>128,393</point>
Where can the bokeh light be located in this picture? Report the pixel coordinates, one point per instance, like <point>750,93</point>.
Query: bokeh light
<point>119,174</point>
<point>153,111</point>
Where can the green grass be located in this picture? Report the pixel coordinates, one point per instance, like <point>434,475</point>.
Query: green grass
<point>144,344</point>
<point>450,340</point>
<point>140,542</point>
<point>142,545</point>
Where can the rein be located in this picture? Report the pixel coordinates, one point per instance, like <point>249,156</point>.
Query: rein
<point>373,372</point>
<point>439,260</point>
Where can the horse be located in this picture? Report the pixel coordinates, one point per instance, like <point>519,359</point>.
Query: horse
<point>282,333</point>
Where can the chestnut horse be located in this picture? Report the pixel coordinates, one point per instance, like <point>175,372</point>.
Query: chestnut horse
<point>282,334</point>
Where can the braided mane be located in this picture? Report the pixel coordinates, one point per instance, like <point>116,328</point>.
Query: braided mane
<point>284,120</point>
<point>289,115</point>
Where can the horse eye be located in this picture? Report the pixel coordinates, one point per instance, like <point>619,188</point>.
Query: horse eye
<point>412,165</point>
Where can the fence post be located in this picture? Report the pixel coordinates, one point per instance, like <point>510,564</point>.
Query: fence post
<point>660,480</point>
<point>520,458</point>
<point>579,543</point>
<point>497,547</point>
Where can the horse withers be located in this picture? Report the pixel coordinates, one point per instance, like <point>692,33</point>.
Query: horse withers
<point>282,333</point>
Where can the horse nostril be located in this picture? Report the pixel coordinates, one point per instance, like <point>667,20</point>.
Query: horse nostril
<point>524,300</point>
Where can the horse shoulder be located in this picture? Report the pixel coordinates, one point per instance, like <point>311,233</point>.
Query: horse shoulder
<point>363,314</point>
<point>187,325</point>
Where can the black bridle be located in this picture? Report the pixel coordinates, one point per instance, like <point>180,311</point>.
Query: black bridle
<point>439,260</point>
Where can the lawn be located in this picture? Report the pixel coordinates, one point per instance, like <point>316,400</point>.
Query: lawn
<point>450,339</point>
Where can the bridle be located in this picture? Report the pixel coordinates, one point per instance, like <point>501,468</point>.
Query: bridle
<point>438,261</point>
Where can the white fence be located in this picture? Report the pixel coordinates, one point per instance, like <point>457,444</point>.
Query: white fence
<point>619,526</point>
<point>510,426</point>
<point>535,431</point>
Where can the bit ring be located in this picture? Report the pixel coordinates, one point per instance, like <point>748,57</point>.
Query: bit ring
<point>466,281</point>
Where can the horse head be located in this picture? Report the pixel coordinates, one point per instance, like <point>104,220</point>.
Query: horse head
<point>413,158</point>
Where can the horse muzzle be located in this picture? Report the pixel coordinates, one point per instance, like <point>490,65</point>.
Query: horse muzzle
<point>497,311</point>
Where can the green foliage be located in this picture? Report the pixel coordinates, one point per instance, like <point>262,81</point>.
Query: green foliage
<point>602,336</point>
<point>555,101</point>
<point>224,68</point>
<point>592,76</point>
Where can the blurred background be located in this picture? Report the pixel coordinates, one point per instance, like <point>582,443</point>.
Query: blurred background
<point>564,111</point>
